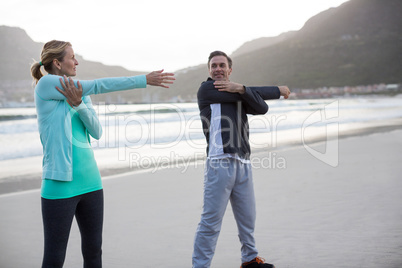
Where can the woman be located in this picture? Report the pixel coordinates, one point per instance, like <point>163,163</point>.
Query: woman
<point>71,182</point>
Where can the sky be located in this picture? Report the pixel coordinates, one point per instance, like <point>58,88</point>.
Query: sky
<point>150,35</point>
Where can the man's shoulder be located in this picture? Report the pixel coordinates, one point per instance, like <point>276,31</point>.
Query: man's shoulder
<point>208,81</point>
<point>204,91</point>
<point>207,84</point>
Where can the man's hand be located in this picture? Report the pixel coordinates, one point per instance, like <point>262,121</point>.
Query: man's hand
<point>71,92</point>
<point>285,91</point>
<point>229,87</point>
<point>159,78</point>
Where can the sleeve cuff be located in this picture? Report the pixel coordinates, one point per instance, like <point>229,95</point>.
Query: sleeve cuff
<point>81,106</point>
<point>142,81</point>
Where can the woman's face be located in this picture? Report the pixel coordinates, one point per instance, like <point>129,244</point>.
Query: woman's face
<point>68,65</point>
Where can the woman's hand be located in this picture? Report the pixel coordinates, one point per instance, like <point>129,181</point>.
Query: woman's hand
<point>159,78</point>
<point>71,92</point>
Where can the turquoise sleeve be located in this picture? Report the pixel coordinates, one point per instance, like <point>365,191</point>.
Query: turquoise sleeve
<point>89,118</point>
<point>46,87</point>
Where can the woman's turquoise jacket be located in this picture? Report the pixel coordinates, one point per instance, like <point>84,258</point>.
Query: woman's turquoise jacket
<point>54,120</point>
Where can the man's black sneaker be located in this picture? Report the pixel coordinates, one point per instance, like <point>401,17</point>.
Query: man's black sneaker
<point>258,262</point>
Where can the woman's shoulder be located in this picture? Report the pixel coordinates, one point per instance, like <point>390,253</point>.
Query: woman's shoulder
<point>49,78</point>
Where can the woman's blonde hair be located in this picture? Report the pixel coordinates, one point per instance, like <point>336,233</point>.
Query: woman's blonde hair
<point>51,50</point>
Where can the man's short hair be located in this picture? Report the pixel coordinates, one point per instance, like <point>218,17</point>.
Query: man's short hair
<point>219,53</point>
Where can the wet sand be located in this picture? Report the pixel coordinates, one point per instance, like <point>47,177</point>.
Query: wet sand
<point>309,213</point>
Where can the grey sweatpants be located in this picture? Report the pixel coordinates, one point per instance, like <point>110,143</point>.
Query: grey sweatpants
<point>225,179</point>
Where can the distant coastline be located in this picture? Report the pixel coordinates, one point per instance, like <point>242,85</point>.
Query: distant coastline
<point>366,91</point>
<point>347,91</point>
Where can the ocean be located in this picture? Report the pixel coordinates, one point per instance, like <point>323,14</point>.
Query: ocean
<point>141,135</point>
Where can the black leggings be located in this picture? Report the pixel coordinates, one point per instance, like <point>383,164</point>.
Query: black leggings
<point>57,217</point>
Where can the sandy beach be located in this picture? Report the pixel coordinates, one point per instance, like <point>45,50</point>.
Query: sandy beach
<point>309,213</point>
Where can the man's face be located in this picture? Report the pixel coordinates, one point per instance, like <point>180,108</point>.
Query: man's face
<point>219,68</point>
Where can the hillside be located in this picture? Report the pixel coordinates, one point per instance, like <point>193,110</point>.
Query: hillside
<point>262,42</point>
<point>357,43</point>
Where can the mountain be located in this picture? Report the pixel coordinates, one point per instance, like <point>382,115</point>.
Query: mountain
<point>357,43</point>
<point>262,42</point>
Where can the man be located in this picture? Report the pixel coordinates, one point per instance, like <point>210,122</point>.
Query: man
<point>224,106</point>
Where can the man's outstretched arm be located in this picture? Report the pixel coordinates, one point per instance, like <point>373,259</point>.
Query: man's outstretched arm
<point>211,92</point>
<point>254,105</point>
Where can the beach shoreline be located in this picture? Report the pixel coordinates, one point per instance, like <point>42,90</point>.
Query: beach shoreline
<point>32,180</point>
